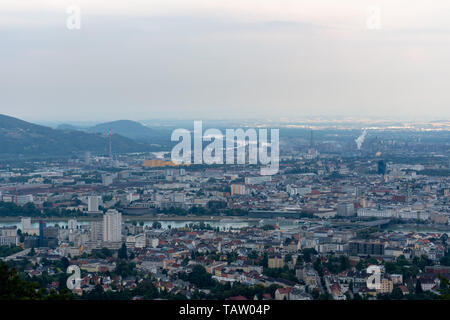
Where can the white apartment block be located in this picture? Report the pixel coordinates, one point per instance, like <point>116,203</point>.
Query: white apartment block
<point>93,203</point>
<point>112,226</point>
<point>393,213</point>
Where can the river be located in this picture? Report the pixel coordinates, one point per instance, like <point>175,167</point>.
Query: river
<point>222,224</point>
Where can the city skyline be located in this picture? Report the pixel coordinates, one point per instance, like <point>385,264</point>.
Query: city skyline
<point>195,153</point>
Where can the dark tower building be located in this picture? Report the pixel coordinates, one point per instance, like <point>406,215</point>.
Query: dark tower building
<point>381,167</point>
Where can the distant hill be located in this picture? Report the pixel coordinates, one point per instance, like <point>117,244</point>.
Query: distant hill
<point>21,138</point>
<point>66,126</point>
<point>126,128</point>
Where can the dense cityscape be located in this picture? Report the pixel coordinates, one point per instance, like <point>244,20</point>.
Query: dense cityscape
<point>224,159</point>
<point>138,226</point>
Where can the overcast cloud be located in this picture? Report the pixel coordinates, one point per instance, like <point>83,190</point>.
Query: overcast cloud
<point>223,59</point>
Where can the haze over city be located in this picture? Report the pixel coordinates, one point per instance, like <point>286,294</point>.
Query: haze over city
<point>223,59</point>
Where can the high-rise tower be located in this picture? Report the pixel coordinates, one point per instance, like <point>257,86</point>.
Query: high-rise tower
<point>110,145</point>
<point>112,226</point>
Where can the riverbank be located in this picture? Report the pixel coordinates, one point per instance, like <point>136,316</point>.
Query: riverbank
<point>144,217</point>
<point>419,227</point>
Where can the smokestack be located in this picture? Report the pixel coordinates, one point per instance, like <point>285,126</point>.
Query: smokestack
<point>359,141</point>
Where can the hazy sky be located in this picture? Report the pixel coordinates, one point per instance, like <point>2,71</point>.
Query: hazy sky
<point>203,59</point>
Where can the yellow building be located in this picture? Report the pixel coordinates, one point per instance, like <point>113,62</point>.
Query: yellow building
<point>158,163</point>
<point>275,262</point>
<point>238,189</point>
<point>216,265</point>
<point>386,286</point>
